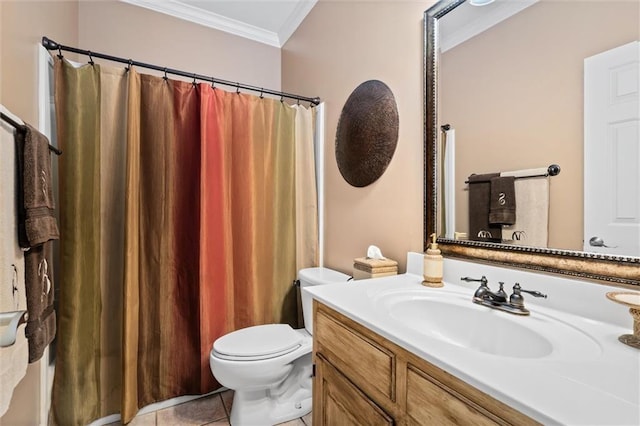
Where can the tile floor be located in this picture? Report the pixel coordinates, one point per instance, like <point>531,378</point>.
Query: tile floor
<point>212,410</point>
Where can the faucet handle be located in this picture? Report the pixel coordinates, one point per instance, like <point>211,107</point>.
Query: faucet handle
<point>531,292</point>
<point>534,293</point>
<point>482,280</point>
<point>516,298</point>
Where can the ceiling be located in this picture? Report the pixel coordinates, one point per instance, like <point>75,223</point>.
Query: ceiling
<point>270,22</point>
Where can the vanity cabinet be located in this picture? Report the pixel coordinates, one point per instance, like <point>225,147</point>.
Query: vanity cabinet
<point>361,378</point>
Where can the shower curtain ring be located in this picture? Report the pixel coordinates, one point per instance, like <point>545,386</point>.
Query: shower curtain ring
<point>262,93</point>
<point>60,52</point>
<point>298,101</point>
<point>165,74</point>
<point>213,83</point>
<point>237,88</point>
<point>194,80</point>
<point>281,98</point>
<point>90,58</point>
<point>128,67</point>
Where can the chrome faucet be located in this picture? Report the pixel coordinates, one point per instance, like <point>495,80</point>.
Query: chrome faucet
<point>498,300</point>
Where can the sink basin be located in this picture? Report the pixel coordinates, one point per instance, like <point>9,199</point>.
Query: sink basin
<point>472,328</point>
<point>454,319</point>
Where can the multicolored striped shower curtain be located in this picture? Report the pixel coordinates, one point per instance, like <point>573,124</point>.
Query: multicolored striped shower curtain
<point>185,214</point>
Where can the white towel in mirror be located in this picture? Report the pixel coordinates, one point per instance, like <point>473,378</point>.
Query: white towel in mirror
<point>532,212</point>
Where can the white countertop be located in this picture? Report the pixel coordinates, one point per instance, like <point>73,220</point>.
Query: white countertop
<point>594,384</point>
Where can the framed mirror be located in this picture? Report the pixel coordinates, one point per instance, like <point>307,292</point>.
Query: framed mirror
<point>508,86</point>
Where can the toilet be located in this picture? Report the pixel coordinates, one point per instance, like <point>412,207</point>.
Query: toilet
<point>269,366</point>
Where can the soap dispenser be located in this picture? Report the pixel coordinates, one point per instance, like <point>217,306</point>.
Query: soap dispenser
<point>433,261</point>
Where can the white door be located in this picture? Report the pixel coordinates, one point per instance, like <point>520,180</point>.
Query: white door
<point>612,151</point>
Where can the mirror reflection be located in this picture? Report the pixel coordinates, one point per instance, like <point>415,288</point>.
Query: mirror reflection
<point>525,85</point>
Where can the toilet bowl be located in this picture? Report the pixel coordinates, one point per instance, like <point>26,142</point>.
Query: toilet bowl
<point>269,366</point>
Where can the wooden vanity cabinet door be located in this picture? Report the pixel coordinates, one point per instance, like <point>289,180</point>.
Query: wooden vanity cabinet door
<point>431,402</point>
<point>357,353</point>
<point>340,402</point>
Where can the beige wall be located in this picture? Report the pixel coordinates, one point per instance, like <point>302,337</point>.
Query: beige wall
<point>121,30</point>
<point>531,76</point>
<point>23,25</point>
<point>129,31</point>
<point>338,46</point>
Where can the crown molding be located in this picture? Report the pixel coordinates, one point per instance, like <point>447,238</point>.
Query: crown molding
<point>303,7</point>
<point>196,15</point>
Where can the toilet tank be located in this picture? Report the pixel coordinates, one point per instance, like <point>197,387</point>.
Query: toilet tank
<point>316,276</point>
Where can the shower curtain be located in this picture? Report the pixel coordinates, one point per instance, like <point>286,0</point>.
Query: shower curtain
<point>185,214</point>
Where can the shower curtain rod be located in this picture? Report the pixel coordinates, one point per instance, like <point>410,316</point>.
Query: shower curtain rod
<point>52,45</point>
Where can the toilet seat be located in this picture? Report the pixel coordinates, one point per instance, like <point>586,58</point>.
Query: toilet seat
<point>257,343</point>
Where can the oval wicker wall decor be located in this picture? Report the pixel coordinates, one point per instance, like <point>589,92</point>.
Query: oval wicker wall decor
<point>367,133</point>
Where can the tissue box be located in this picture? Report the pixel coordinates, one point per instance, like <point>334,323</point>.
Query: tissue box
<point>364,267</point>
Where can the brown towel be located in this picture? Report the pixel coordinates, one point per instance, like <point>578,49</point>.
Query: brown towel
<point>479,192</point>
<point>41,326</point>
<point>502,209</point>
<point>36,220</point>
<point>36,227</point>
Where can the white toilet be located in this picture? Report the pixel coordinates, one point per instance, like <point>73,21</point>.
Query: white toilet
<point>269,366</point>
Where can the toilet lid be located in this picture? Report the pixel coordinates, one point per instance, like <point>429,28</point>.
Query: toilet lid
<point>258,342</point>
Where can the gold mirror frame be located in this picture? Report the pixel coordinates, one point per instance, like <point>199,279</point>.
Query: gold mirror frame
<point>623,270</point>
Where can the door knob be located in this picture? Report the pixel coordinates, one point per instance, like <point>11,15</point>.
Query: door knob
<point>598,242</point>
